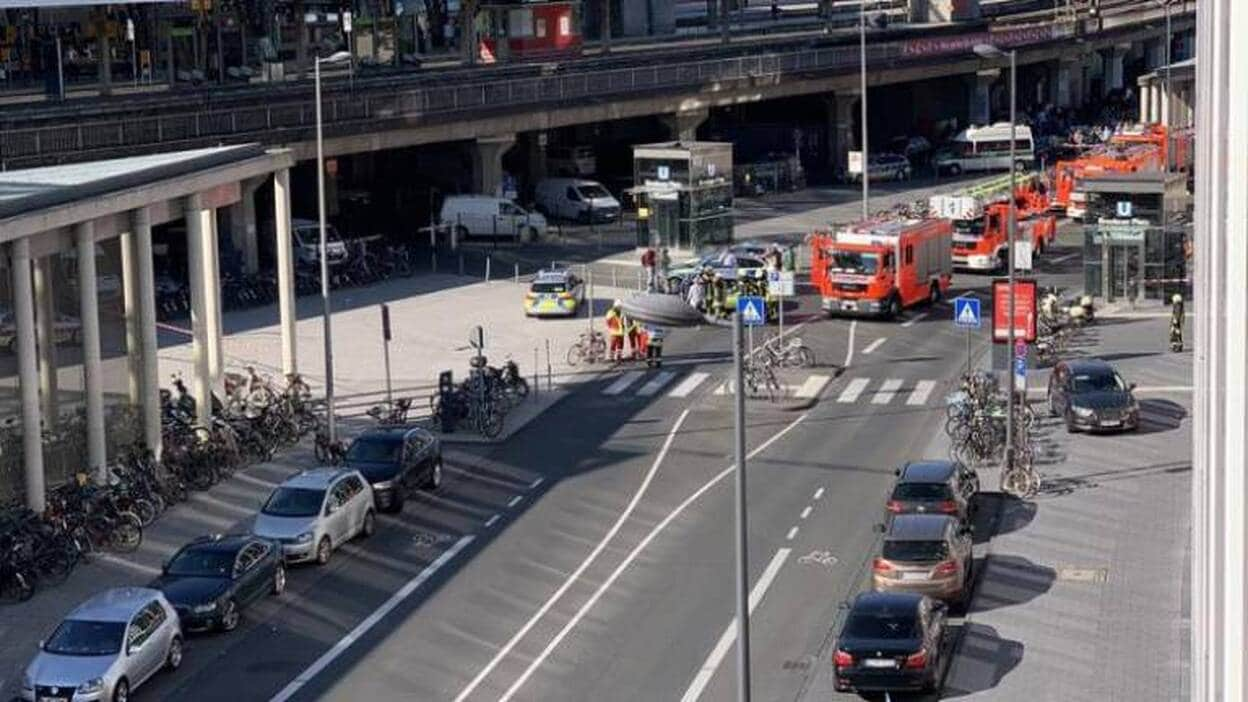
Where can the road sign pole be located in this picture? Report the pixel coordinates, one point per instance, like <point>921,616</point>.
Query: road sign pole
<point>780,311</point>
<point>743,575</point>
<point>968,352</point>
<point>385,346</point>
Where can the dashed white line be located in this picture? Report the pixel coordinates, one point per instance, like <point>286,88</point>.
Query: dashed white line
<point>632,556</point>
<point>818,494</point>
<point>874,345</point>
<point>849,352</point>
<point>492,520</point>
<point>536,482</point>
<point>707,671</point>
<point>505,650</point>
<point>792,532</point>
<point>514,501</point>
<point>371,620</point>
<point>914,320</point>
<point>805,513</point>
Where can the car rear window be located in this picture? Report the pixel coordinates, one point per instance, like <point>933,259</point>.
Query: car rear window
<point>921,491</point>
<point>882,625</point>
<point>549,287</point>
<point>374,451</point>
<point>915,550</point>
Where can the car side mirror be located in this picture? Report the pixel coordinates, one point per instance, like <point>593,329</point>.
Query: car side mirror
<point>878,528</point>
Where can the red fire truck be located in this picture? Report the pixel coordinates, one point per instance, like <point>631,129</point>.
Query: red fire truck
<point>980,219</point>
<point>880,267</point>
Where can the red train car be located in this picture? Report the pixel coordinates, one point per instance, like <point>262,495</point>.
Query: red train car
<point>543,30</point>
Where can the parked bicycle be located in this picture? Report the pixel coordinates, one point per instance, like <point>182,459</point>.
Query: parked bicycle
<point>590,347</point>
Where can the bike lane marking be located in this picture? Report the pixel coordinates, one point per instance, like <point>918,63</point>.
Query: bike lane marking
<point>874,345</point>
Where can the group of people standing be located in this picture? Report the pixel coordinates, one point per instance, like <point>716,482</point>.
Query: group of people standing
<point>645,341</point>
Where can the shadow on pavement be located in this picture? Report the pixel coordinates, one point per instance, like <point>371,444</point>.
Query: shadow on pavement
<point>1160,416</point>
<point>1058,487</point>
<point>1004,581</point>
<point>1009,513</point>
<point>984,658</point>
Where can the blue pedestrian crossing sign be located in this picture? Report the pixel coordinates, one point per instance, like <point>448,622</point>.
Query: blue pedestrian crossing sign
<point>966,313</point>
<point>752,311</point>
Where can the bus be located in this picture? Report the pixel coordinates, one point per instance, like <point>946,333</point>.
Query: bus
<point>987,149</point>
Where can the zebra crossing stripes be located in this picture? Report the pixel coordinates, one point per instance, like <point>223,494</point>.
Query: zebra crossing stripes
<point>922,391</point>
<point>853,390</point>
<point>811,388</point>
<point>656,383</point>
<point>623,382</point>
<point>886,393</point>
<point>685,387</point>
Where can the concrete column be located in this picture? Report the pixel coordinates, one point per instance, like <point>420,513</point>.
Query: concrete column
<point>212,293</point>
<point>1112,74</point>
<point>89,311</point>
<point>285,268</point>
<point>24,320</point>
<point>250,242</point>
<point>1146,98</point>
<point>1163,111</point>
<point>1060,80</point>
<point>979,111</point>
<point>488,162</point>
<point>842,108</point>
<point>130,301</point>
<point>683,126</point>
<point>106,65</point>
<point>1079,84</point>
<point>1219,588</point>
<point>45,318</point>
<point>141,230</point>
<point>197,226</point>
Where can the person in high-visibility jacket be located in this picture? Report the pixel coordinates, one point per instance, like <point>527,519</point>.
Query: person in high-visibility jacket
<point>633,330</point>
<point>615,331</point>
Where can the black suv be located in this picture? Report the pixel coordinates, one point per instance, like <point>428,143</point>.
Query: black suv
<point>934,487</point>
<point>396,461</point>
<point>210,580</point>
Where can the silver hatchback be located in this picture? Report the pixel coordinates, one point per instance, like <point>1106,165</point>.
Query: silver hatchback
<point>106,647</point>
<point>316,511</point>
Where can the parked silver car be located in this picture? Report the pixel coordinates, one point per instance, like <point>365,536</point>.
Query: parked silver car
<point>105,648</point>
<point>317,511</point>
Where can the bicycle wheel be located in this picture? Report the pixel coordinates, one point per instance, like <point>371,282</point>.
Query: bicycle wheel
<point>774,390</point>
<point>520,387</point>
<point>127,533</point>
<point>144,510</point>
<point>490,421</point>
<point>16,586</point>
<point>799,357</point>
<point>576,354</point>
<point>52,565</point>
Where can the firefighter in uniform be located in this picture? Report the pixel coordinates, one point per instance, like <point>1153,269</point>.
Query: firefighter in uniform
<point>615,331</point>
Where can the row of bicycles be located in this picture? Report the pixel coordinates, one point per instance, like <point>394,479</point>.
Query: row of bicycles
<point>1058,323</point>
<point>250,423</point>
<point>975,422</point>
<point>482,400</point>
<point>760,368</point>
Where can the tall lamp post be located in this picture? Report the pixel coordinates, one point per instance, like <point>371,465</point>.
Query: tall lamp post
<point>320,206</point>
<point>988,51</point>
<point>862,87</point>
<point>1165,114</point>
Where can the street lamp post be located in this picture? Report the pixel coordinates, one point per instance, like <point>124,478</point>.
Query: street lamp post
<point>991,52</point>
<point>862,87</point>
<point>320,206</point>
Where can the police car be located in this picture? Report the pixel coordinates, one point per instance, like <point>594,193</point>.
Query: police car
<point>554,293</point>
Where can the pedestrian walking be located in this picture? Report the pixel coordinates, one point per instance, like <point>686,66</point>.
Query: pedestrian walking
<point>665,265</point>
<point>697,294</point>
<point>615,331</point>
<point>649,259</point>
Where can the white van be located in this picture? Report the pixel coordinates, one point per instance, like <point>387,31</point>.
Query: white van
<point>306,234</point>
<point>987,149</point>
<point>486,215</point>
<point>576,199</point>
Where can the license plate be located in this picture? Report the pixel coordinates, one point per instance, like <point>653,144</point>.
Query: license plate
<point>53,699</point>
<point>849,305</point>
<point>879,663</point>
<point>913,576</point>
<point>1111,422</point>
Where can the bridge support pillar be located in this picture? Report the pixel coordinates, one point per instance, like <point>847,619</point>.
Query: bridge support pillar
<point>842,109</point>
<point>683,126</point>
<point>45,341</point>
<point>980,108</point>
<point>487,162</point>
<point>1112,74</point>
<point>1060,80</point>
<point>242,220</point>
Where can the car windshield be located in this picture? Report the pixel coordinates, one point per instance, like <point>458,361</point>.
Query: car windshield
<point>549,287</point>
<point>881,625</point>
<point>969,227</point>
<point>915,550</point>
<point>374,451</point>
<point>75,637</point>
<point>593,191</point>
<point>921,491</point>
<point>295,502</point>
<point>202,563</point>
<point>1097,382</point>
<point>854,262</point>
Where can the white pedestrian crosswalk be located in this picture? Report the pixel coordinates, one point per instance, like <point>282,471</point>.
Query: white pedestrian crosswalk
<point>678,384</point>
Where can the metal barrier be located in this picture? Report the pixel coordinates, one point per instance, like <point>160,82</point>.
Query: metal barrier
<point>261,121</point>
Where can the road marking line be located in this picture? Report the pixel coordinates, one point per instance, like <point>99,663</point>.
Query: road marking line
<point>492,520</point>
<point>922,390</point>
<point>514,501</point>
<point>1164,388</point>
<point>913,320</point>
<point>571,579</point>
<point>256,481</point>
<point>853,390</point>
<point>849,352</point>
<point>812,387</point>
<point>818,494</point>
<point>724,389</point>
<point>621,384</point>
<point>1067,257</point>
<point>886,393</point>
<point>632,556</point>
<point>792,532</point>
<point>874,345</point>
<point>533,485</point>
<point>371,620</point>
<point>805,513</point>
<point>110,558</point>
<point>689,384</point>
<point>656,384</point>
<point>729,637</point>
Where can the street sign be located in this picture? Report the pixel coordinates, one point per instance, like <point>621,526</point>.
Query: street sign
<point>1020,374</point>
<point>1020,349</point>
<point>1024,310</point>
<point>966,313</point>
<point>854,164</point>
<point>1124,209</point>
<point>664,172</point>
<point>752,310</point>
<point>1022,255</point>
<point>781,283</point>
